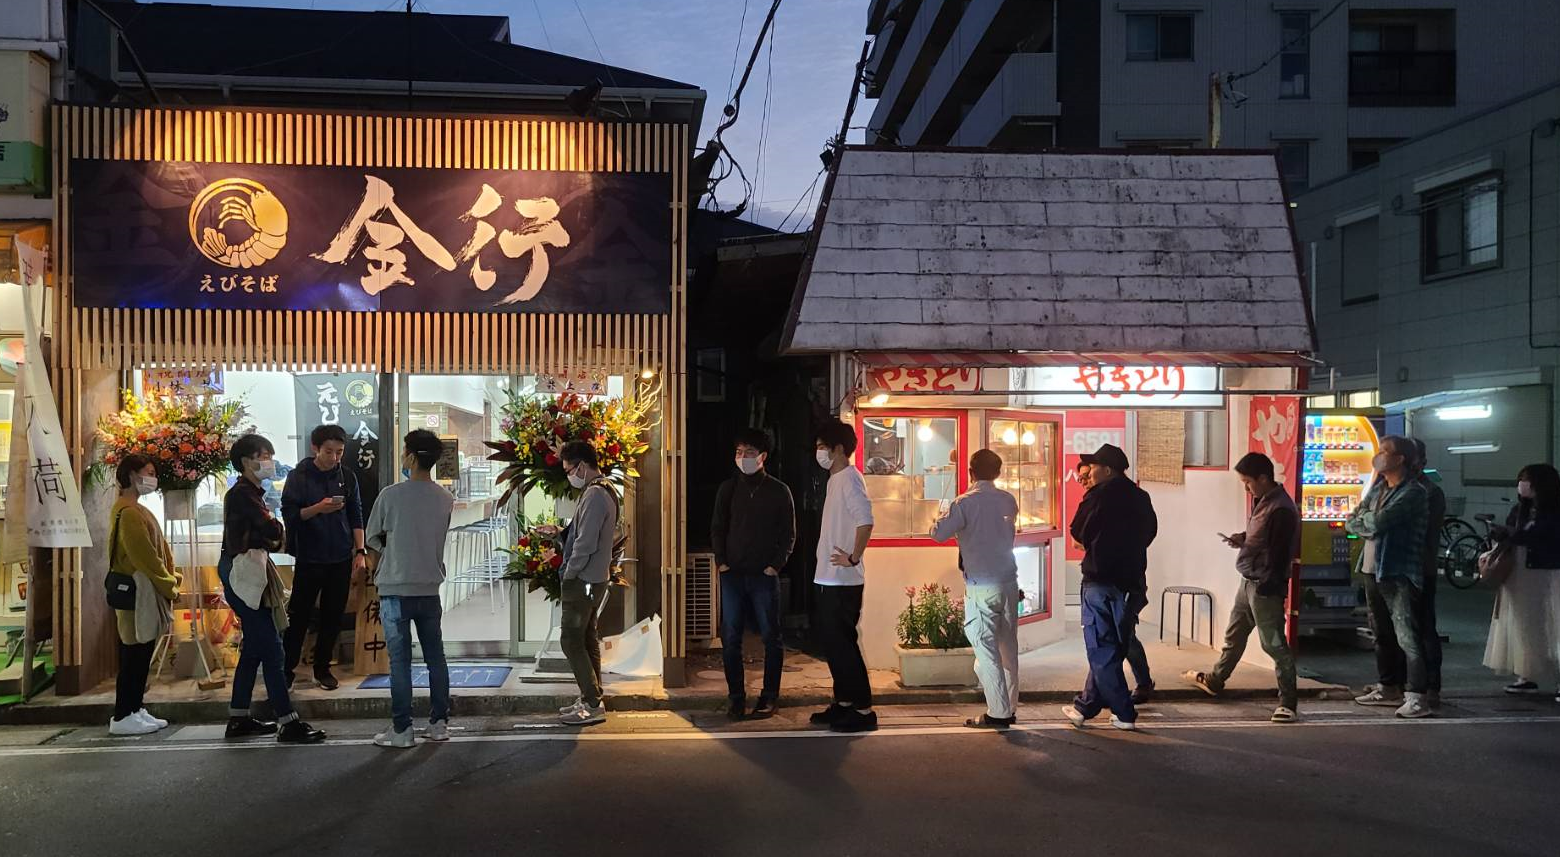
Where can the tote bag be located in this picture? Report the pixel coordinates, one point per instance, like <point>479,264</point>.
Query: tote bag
<point>250,576</point>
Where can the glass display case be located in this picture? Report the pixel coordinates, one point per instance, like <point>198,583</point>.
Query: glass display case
<point>1028,446</point>
<point>913,463</point>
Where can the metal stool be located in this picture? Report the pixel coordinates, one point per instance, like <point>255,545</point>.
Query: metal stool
<point>1181,593</point>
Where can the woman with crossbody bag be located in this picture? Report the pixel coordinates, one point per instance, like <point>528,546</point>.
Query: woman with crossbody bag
<point>1524,636</point>
<point>142,586</point>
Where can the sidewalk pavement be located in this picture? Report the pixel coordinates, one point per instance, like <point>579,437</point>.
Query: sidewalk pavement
<point>1053,673</point>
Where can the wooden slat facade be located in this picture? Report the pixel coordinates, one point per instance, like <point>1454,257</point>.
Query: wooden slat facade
<point>92,338</point>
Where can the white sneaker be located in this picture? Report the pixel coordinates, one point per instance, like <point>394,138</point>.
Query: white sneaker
<point>147,716</point>
<point>398,740</point>
<point>579,702</point>
<point>1122,724</point>
<point>1074,716</point>
<point>129,726</point>
<point>1414,707</point>
<point>584,715</point>
<point>438,730</point>
<point>1382,697</point>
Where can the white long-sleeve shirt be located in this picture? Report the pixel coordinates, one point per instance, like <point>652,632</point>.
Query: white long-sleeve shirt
<point>845,508</point>
<point>983,519</point>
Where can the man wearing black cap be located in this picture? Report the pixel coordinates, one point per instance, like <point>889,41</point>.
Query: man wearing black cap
<point>1115,523</point>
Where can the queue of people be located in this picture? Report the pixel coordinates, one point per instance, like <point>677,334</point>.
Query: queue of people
<point>753,531</point>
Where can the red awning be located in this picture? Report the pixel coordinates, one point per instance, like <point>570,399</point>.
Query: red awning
<point>995,359</point>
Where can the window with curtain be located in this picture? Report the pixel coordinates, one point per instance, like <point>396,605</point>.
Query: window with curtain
<point>1460,228</point>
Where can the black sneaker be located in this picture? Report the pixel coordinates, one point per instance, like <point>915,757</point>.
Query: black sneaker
<point>737,710</point>
<point>1143,693</point>
<point>829,716</point>
<point>855,721</point>
<point>246,727</point>
<point>325,680</point>
<point>765,708</point>
<point>298,732</point>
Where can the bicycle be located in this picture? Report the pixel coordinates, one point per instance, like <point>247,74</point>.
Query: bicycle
<point>1460,559</point>
<point>1454,529</point>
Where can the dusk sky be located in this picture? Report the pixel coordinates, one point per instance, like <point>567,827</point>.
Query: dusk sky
<point>816,45</point>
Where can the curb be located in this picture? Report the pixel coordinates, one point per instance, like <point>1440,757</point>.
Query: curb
<point>378,707</point>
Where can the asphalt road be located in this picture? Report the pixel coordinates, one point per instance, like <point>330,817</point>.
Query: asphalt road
<point>1206,779</point>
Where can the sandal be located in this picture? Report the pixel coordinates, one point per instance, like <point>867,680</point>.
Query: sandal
<point>1284,714</point>
<point>986,721</point>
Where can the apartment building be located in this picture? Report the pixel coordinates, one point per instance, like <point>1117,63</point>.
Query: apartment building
<point>1328,85</point>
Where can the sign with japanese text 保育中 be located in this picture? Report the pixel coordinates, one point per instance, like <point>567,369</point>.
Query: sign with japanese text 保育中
<point>1098,386</point>
<point>173,234</point>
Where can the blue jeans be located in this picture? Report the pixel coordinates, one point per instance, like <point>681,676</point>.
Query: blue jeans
<point>1137,659</point>
<point>398,613</point>
<point>261,650</point>
<point>1108,631</point>
<point>755,594</point>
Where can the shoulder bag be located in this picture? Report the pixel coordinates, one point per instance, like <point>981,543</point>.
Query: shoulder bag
<point>120,587</point>
<point>1497,563</point>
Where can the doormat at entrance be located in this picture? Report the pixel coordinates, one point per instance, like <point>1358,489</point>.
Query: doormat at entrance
<point>477,676</point>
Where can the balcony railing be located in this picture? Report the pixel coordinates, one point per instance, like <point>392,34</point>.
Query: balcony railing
<point>1402,78</point>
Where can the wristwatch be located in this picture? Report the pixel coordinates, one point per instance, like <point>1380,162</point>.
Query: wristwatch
<point>361,552</point>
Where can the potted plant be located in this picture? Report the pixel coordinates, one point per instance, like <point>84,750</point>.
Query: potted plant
<point>932,648</point>
<point>186,437</point>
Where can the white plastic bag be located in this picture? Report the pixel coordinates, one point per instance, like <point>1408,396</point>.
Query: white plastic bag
<point>249,576</point>
<point>635,652</point>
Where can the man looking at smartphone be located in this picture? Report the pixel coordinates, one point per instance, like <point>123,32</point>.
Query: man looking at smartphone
<point>1266,549</point>
<point>323,511</point>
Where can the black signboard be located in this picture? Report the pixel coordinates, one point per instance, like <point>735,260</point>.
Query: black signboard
<point>448,466</point>
<point>350,400</point>
<point>173,234</point>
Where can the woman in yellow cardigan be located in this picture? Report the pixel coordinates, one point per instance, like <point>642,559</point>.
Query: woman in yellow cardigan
<point>137,548</point>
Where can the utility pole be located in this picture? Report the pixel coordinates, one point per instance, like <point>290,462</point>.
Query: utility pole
<point>1215,109</point>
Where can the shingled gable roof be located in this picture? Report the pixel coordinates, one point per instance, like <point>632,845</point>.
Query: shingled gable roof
<point>966,250</point>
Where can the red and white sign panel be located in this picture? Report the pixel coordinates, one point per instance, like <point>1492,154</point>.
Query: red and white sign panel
<point>1275,432</point>
<point>925,379</point>
<point>1087,386</point>
<point>1083,432</point>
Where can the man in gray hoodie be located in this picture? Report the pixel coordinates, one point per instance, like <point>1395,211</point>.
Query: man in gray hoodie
<point>407,528</point>
<point>586,573</point>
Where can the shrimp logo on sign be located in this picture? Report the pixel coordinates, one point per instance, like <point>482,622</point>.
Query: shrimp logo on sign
<point>237,223</point>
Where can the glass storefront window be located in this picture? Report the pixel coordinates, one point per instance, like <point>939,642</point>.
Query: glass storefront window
<point>1029,468</point>
<point>913,464</point>
<point>1032,578</point>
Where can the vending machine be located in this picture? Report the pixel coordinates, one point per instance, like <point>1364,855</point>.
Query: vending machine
<point>1339,446</point>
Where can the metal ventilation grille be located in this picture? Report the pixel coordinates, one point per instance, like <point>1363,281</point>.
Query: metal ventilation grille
<point>702,609</point>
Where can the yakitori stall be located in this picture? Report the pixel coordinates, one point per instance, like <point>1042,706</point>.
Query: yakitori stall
<point>381,272</point>
<point>1039,305</point>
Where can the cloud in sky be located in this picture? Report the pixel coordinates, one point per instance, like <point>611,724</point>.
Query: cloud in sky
<point>806,76</point>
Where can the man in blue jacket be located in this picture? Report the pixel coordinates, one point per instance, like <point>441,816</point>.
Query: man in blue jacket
<point>323,511</point>
<point>1115,523</point>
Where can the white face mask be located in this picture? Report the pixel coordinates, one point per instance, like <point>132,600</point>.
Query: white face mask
<point>749,466</point>
<point>1525,489</point>
<point>577,481</point>
<point>265,469</point>
<point>825,459</point>
<point>145,485</point>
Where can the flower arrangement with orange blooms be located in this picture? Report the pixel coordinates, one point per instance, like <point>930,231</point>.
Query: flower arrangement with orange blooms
<point>537,556</point>
<point>186,436</point>
<point>536,427</point>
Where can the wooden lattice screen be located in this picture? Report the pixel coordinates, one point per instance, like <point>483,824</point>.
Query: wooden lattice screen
<point>1161,446</point>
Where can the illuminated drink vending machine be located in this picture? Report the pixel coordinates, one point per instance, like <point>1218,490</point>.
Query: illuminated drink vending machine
<point>1339,446</point>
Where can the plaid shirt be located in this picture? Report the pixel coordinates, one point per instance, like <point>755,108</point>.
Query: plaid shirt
<point>1396,521</point>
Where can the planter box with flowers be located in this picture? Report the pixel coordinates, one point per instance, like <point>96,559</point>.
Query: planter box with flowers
<point>933,650</point>
<point>535,429</point>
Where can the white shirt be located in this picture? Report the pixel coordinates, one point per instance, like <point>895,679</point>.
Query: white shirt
<point>845,507</point>
<point>983,520</point>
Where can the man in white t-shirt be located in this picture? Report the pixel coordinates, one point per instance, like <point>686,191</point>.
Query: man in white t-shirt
<point>841,578</point>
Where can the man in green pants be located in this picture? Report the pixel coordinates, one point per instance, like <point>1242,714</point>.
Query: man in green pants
<point>1267,547</point>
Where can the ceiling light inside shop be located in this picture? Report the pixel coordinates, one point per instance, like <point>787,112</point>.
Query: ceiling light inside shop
<point>1464,412</point>
<point>1028,439</point>
<point>1010,437</point>
<point>924,433</point>
<point>1473,448</point>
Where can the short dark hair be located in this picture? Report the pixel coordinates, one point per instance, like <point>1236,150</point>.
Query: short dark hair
<point>1254,464</point>
<point>835,433</point>
<point>248,446</point>
<point>130,465</point>
<point>1421,454</point>
<point>425,446</point>
<point>324,434</point>
<point>577,451</point>
<point>1401,446</point>
<point>754,437</point>
<point>985,464</point>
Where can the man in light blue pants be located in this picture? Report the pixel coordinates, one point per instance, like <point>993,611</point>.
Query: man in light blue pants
<point>983,521</point>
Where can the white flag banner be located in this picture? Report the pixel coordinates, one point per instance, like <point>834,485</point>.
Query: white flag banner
<point>51,495</point>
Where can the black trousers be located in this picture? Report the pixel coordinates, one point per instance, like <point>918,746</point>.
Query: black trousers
<point>135,664</point>
<point>839,609</point>
<point>328,583</point>
<point>1429,634</point>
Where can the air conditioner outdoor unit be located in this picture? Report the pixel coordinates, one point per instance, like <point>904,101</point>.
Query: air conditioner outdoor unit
<point>24,98</point>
